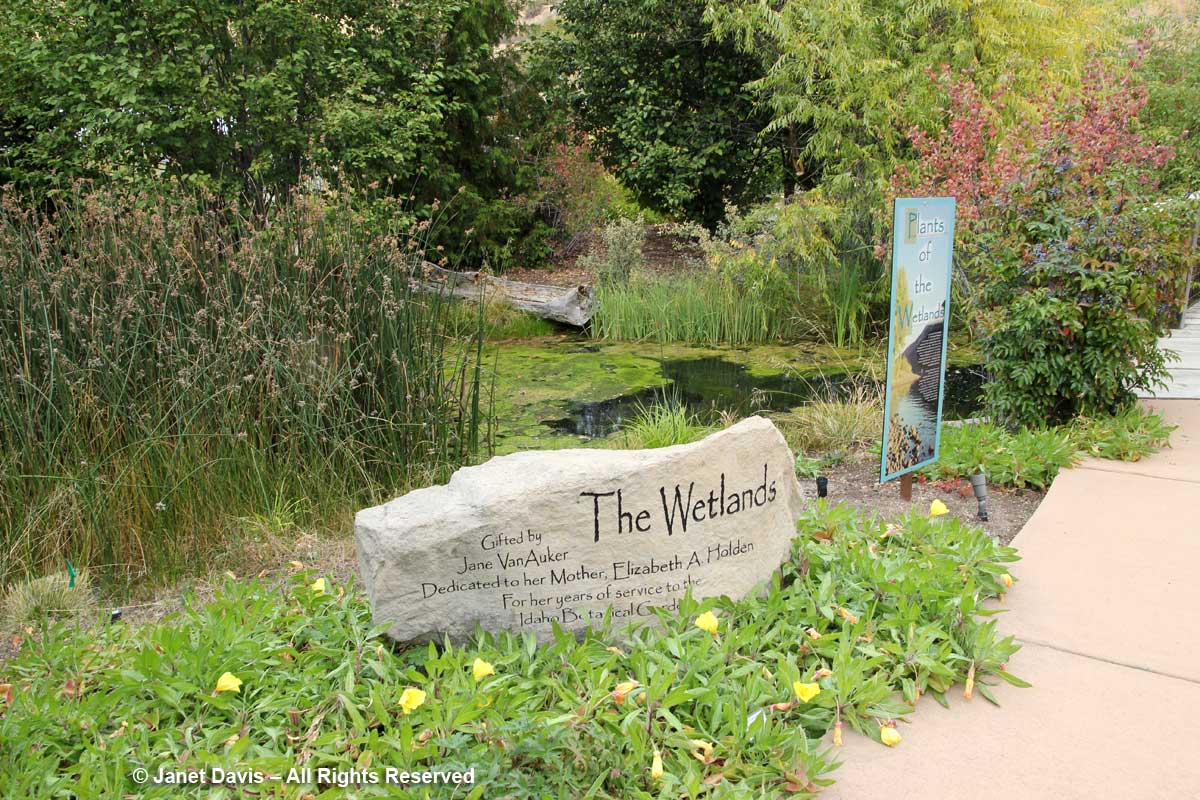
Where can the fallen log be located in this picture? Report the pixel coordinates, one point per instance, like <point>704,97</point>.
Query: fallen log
<point>571,305</point>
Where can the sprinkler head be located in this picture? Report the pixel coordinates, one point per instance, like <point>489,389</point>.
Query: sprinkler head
<point>822,486</point>
<point>979,486</point>
<point>116,615</point>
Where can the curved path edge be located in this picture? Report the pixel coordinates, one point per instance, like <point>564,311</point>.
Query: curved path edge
<point>1107,608</point>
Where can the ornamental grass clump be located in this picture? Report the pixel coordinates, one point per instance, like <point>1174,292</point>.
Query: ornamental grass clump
<point>171,364</point>
<point>666,422</point>
<point>736,698</point>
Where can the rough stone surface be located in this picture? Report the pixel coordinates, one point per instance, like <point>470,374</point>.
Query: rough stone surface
<point>533,538</point>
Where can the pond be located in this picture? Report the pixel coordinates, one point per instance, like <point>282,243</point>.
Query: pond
<point>564,391</point>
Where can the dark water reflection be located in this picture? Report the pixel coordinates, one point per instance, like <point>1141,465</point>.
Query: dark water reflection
<point>711,385</point>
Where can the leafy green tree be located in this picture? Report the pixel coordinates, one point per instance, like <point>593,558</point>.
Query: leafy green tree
<point>843,79</point>
<point>253,99</point>
<point>666,103</point>
<point>1171,70</point>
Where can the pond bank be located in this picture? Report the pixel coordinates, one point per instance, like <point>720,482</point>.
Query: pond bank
<point>568,391</point>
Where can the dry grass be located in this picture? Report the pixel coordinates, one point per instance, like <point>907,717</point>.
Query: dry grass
<point>31,602</point>
<point>838,421</point>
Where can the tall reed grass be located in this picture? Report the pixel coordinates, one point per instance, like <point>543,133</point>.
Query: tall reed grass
<point>169,367</point>
<point>698,308</point>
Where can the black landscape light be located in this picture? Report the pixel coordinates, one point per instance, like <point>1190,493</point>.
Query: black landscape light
<point>116,615</point>
<point>822,486</point>
<point>979,486</point>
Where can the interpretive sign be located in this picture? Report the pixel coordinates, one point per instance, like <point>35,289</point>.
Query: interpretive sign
<point>528,540</point>
<point>922,252</point>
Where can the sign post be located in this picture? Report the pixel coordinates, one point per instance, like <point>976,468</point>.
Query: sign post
<point>922,251</point>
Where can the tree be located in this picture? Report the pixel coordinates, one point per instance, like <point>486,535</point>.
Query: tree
<point>666,104</point>
<point>1172,73</point>
<point>843,79</point>
<point>253,99</point>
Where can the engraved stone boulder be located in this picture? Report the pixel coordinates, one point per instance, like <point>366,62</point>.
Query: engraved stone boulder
<point>529,539</point>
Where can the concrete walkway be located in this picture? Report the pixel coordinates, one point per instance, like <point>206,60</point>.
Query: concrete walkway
<point>1108,609</point>
<point>1185,373</point>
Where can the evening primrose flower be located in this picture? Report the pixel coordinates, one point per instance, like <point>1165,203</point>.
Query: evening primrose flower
<point>812,633</point>
<point>622,689</point>
<point>889,736</point>
<point>847,615</point>
<point>707,622</point>
<point>410,699</point>
<point>806,691</point>
<point>656,766</point>
<point>701,750</point>
<point>481,669</point>
<point>318,586</point>
<point>228,683</point>
<point>1007,580</point>
<point>936,509</point>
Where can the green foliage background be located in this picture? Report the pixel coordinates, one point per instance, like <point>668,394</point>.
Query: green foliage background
<point>409,100</point>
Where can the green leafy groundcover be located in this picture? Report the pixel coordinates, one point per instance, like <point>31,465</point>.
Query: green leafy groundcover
<point>1034,456</point>
<point>872,613</point>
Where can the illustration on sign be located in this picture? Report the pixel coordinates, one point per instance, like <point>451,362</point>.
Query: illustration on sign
<point>922,251</point>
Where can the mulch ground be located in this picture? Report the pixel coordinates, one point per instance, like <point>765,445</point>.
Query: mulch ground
<point>856,481</point>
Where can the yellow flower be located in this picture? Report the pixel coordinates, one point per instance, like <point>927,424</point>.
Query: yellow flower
<point>701,750</point>
<point>621,689</point>
<point>410,699</point>
<point>823,672</point>
<point>813,633</point>
<point>806,691</point>
<point>229,683</point>
<point>1007,580</point>
<point>656,767</point>
<point>837,733</point>
<point>969,689</point>
<point>889,736</point>
<point>295,565</point>
<point>481,669</point>
<point>936,509</point>
<point>318,586</point>
<point>846,615</point>
<point>707,622</point>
